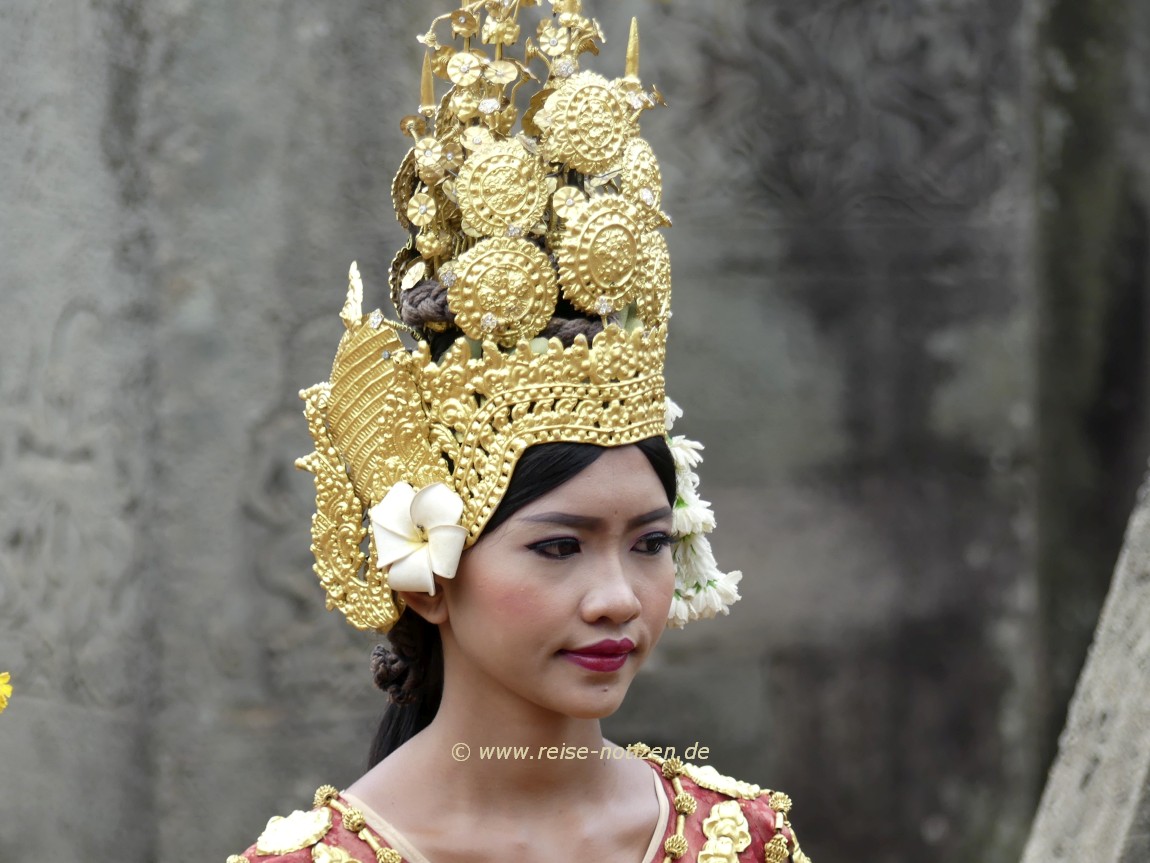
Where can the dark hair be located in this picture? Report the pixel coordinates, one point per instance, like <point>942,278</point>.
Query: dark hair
<point>411,670</point>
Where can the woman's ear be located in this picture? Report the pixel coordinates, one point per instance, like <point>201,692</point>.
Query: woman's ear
<point>433,609</point>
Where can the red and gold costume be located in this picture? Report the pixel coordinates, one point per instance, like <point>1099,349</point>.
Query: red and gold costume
<point>705,817</point>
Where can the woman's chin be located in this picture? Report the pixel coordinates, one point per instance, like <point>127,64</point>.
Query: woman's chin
<point>598,702</point>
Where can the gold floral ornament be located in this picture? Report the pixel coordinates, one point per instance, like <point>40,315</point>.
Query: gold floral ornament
<point>418,536</point>
<point>5,689</point>
<point>599,255</point>
<point>553,40</point>
<point>421,209</point>
<point>502,191</point>
<point>466,68</point>
<point>586,124</point>
<point>505,290</point>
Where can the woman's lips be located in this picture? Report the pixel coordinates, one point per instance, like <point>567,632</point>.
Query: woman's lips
<point>602,656</point>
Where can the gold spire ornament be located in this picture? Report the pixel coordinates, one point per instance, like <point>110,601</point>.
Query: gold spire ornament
<point>514,217</point>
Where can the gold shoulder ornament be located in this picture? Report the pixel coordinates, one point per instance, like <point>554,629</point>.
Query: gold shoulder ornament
<point>296,831</point>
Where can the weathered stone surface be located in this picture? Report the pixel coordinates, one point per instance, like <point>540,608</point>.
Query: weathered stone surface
<point>853,339</point>
<point>1098,793</point>
<point>75,453</point>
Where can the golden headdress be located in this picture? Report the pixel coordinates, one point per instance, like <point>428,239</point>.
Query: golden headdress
<point>511,223</point>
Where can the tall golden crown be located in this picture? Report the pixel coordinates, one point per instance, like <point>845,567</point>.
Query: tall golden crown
<point>564,212</point>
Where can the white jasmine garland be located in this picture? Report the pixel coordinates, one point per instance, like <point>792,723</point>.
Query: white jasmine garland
<point>702,590</point>
<point>692,514</point>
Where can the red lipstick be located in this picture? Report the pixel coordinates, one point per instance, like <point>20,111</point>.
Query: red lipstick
<point>603,656</point>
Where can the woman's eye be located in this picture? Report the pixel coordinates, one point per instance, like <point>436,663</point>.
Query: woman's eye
<point>556,548</point>
<point>653,543</point>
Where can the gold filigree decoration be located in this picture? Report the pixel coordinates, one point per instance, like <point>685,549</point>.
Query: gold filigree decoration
<point>502,187</point>
<point>484,412</point>
<point>505,291</point>
<point>600,254</point>
<point>296,831</point>
<point>587,124</point>
<point>237,858</point>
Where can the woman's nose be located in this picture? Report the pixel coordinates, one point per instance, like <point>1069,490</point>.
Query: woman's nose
<point>610,593</point>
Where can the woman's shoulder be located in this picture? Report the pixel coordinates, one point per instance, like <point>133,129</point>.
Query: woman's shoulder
<point>333,831</point>
<point>723,820</point>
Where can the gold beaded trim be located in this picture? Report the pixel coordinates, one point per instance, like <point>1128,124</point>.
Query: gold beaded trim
<point>685,804</point>
<point>355,822</point>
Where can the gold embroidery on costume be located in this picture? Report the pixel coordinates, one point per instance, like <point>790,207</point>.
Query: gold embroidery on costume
<point>726,826</point>
<point>727,832</point>
<point>237,858</point>
<point>298,830</point>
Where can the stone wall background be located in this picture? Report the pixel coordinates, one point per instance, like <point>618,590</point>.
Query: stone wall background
<point>901,229</point>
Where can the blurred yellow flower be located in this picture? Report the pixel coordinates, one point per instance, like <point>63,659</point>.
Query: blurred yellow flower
<point>5,689</point>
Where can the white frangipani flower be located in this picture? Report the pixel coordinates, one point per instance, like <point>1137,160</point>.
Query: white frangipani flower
<point>418,535</point>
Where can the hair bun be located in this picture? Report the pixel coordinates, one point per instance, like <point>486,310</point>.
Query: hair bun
<point>392,674</point>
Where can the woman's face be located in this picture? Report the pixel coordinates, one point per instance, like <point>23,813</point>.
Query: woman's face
<point>561,604</point>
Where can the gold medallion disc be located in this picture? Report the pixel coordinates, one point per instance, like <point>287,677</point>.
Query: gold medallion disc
<point>599,255</point>
<point>505,290</point>
<point>500,187</point>
<point>589,124</point>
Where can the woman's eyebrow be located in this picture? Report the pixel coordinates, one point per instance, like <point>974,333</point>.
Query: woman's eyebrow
<point>590,522</point>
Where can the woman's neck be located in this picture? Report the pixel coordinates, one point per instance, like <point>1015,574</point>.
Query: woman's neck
<point>519,751</point>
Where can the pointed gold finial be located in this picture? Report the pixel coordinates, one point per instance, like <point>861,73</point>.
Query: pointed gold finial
<point>633,51</point>
<point>427,87</point>
<point>353,306</point>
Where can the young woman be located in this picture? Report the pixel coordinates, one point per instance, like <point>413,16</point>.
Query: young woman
<point>530,527</point>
